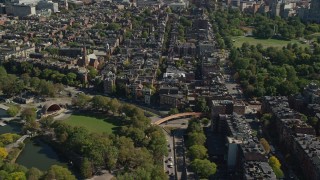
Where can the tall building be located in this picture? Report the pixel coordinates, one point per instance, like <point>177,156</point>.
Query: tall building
<point>313,13</point>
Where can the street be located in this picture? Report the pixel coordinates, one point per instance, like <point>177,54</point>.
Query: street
<point>170,170</point>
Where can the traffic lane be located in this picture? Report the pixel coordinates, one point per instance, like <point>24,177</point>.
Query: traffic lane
<point>169,170</point>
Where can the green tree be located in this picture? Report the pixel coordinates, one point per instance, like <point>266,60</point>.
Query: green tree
<point>205,121</point>
<point>114,105</point>
<point>157,144</point>
<point>13,110</point>
<point>18,176</point>
<point>34,174</point>
<point>100,102</point>
<point>201,105</point>
<point>197,152</point>
<point>144,34</point>
<point>86,168</point>
<point>58,172</point>
<point>173,111</point>
<point>92,73</point>
<point>204,168</point>
<point>47,122</point>
<point>114,26</point>
<point>195,138</point>
<point>82,100</point>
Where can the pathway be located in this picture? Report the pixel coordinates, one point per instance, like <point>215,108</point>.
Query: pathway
<point>16,144</point>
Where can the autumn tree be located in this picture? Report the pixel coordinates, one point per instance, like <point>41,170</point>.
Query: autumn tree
<point>276,166</point>
<point>265,145</point>
<point>29,114</point>
<point>3,153</point>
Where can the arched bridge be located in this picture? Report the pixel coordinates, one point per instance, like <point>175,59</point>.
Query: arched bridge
<point>196,114</point>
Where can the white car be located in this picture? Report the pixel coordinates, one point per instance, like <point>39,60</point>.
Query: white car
<point>170,165</point>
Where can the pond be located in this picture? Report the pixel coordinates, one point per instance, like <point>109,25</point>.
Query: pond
<point>38,154</point>
<point>10,128</point>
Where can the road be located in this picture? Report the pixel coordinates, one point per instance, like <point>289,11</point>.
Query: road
<point>169,170</point>
<point>180,154</point>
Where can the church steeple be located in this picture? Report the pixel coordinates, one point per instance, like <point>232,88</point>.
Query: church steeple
<point>85,57</point>
<point>83,61</point>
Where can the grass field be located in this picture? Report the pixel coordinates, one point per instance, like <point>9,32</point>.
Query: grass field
<point>239,40</point>
<point>98,124</point>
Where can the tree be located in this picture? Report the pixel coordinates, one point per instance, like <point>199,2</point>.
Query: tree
<point>263,31</point>
<point>173,111</point>
<point>266,118</point>
<point>276,166</point>
<point>194,126</point>
<point>3,153</point>
<point>100,102</point>
<point>195,138</point>
<point>114,27</point>
<point>157,144</point>
<point>8,138</point>
<point>17,176</point>
<point>58,172</point>
<point>34,174</point>
<point>82,100</point>
<point>46,88</point>
<point>278,172</point>
<point>4,174</point>
<point>204,168</point>
<point>144,34</point>
<point>86,168</point>
<point>274,162</point>
<point>29,114</point>
<point>205,121</point>
<point>265,145</point>
<point>201,105</point>
<point>46,122</point>
<point>13,110</point>
<point>114,105</point>
<point>92,73</point>
<point>197,152</point>
<point>70,78</point>
<point>11,85</point>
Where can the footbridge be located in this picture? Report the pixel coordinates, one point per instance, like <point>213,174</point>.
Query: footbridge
<point>17,143</point>
<point>168,118</point>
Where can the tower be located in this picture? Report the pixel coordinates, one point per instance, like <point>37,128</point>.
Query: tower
<point>83,62</point>
<point>66,4</point>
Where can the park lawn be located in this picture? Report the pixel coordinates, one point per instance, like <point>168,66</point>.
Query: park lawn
<point>239,40</point>
<point>94,124</point>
